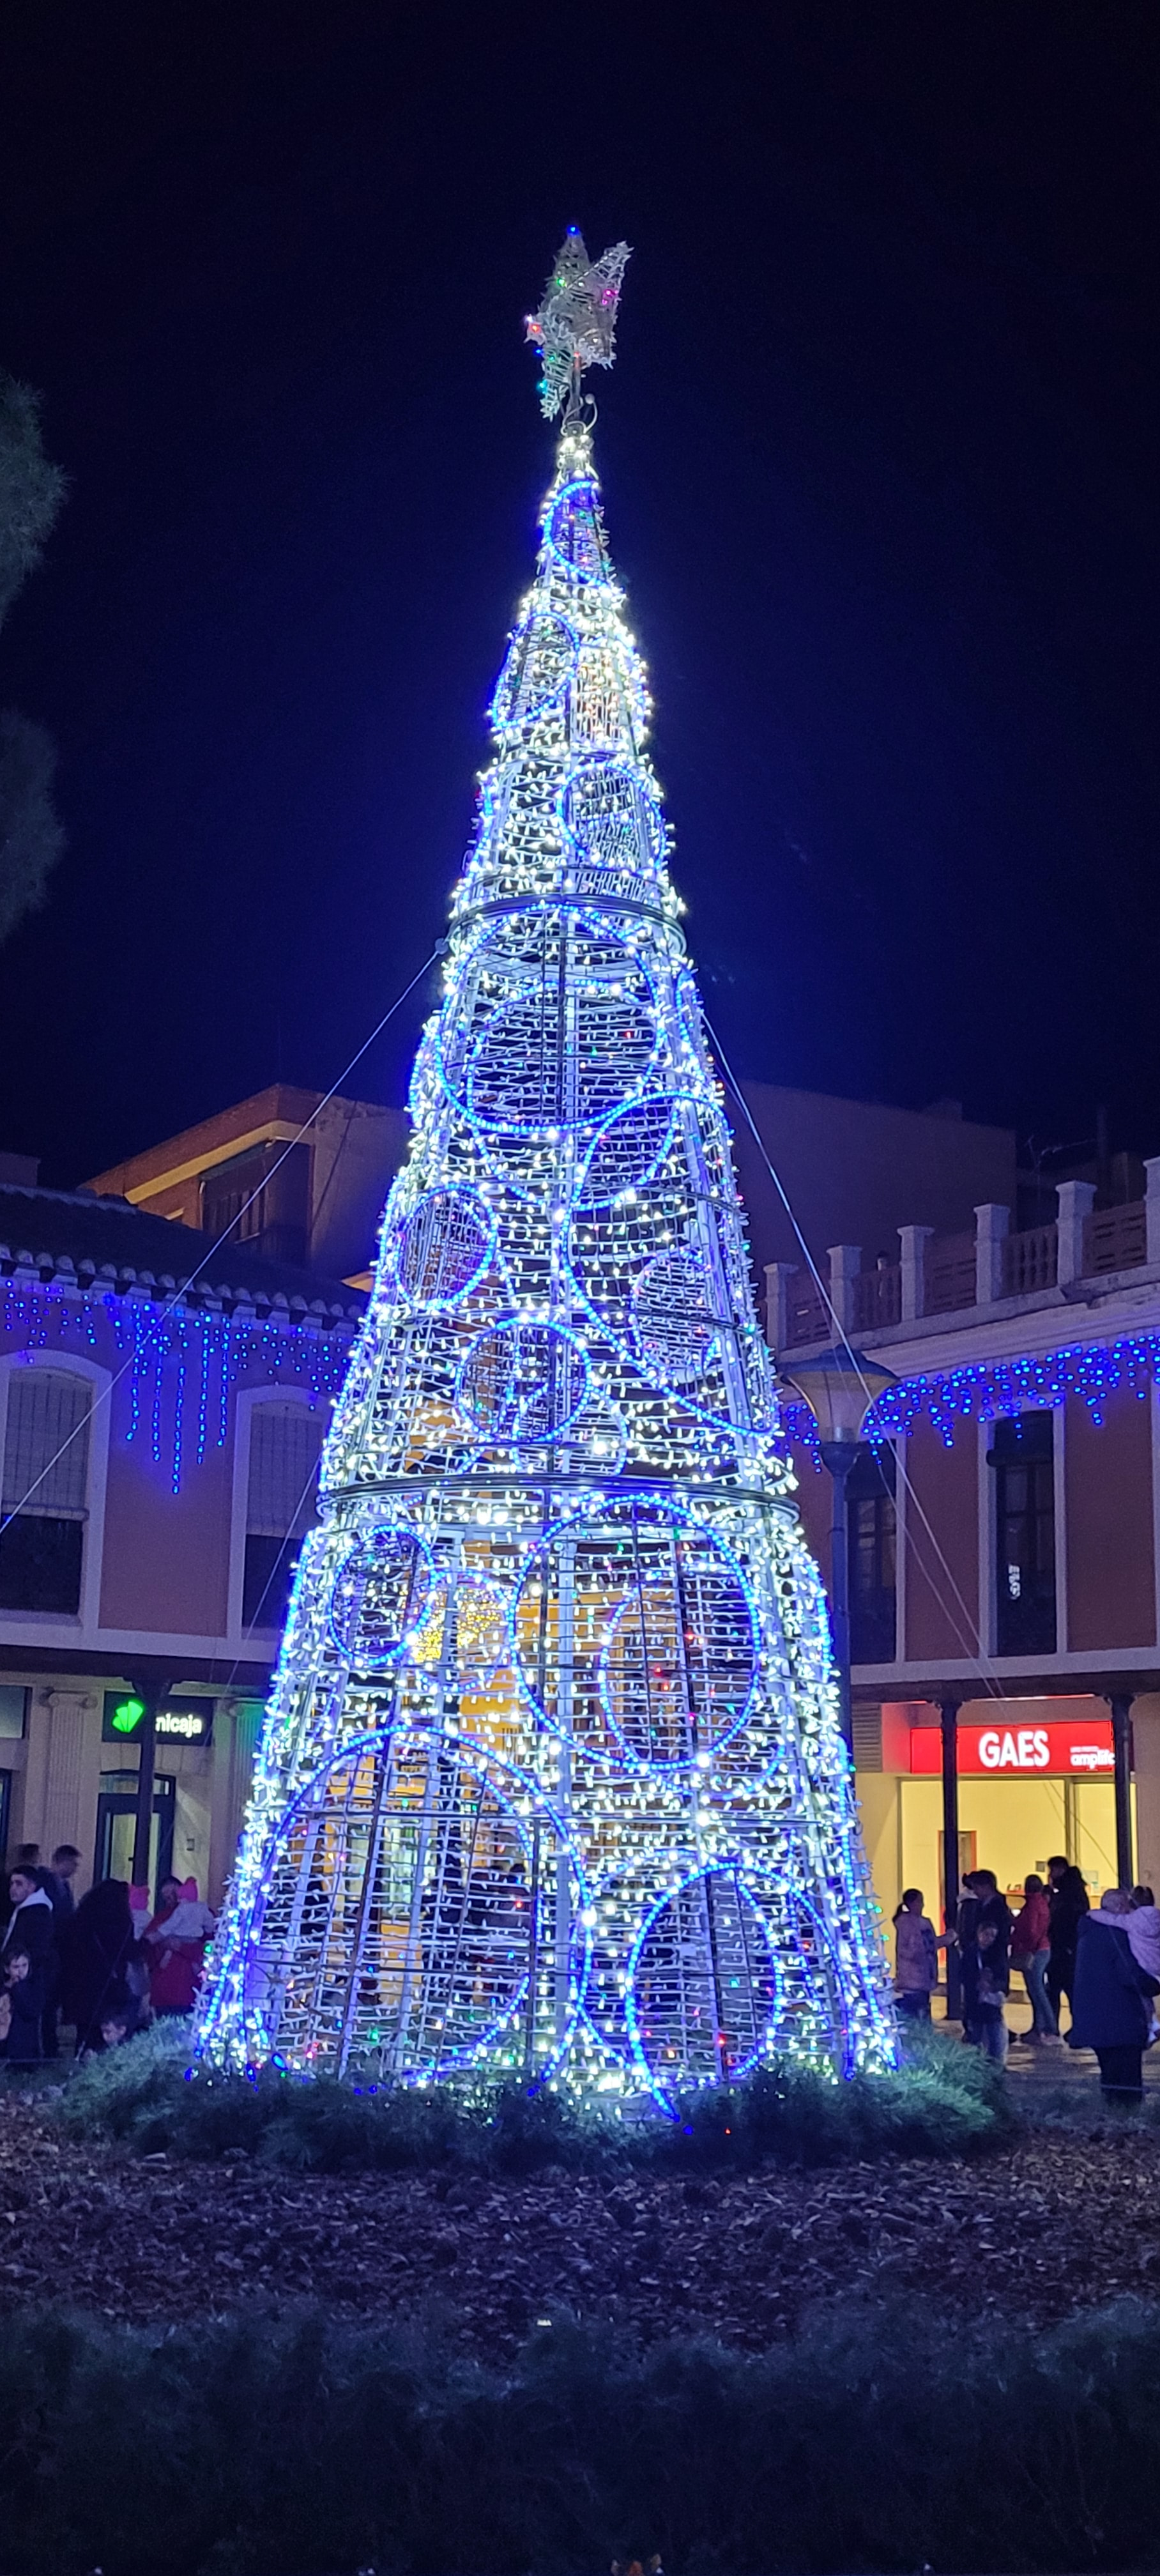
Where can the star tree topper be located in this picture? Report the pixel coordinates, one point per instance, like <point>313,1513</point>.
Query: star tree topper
<point>576,323</point>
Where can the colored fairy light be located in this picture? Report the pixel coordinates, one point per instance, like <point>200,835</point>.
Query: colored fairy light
<point>551,1783</point>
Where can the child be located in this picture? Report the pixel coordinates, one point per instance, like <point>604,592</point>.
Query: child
<point>176,1940</point>
<point>20,2012</point>
<point>916,1956</point>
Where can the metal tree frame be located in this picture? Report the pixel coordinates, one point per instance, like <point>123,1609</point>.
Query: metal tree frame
<point>551,1783</point>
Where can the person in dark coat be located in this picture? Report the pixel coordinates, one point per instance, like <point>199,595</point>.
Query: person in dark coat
<point>31,1930</point>
<point>966,1926</point>
<point>31,1923</point>
<point>56,1882</point>
<point>20,2011</point>
<point>1069,1903</point>
<point>1110,2004</point>
<point>100,1949</point>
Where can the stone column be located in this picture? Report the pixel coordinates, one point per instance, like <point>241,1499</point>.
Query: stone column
<point>1076,1201</point>
<point>914,1240</point>
<point>845,1267</point>
<point>1152,1210</point>
<point>992,1225</point>
<point>777,1278</point>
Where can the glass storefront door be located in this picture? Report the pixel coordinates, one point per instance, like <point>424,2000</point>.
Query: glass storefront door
<point>117,1827</point>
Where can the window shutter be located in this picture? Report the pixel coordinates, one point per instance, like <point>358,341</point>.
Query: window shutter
<point>46,1444</point>
<point>285,1441</point>
<point>867,1726</point>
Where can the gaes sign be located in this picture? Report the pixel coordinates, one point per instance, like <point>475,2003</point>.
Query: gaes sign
<point>1078,1748</point>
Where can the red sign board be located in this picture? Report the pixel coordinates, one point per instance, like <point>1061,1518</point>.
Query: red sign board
<point>1004,1749</point>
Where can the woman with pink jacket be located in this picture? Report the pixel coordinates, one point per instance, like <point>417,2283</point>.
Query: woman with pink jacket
<point>1030,1953</point>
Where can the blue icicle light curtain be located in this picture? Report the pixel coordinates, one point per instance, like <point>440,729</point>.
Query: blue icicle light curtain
<point>551,1784</point>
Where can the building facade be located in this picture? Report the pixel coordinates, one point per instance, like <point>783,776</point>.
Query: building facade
<point>1004,1570</point>
<point>162,1406</point>
<point>251,1174</point>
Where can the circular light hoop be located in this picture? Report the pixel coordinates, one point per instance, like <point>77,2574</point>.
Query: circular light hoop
<point>824,1978</point>
<point>732,1873</point>
<point>586,562</point>
<point>518,1059</point>
<point>449,1960</point>
<point>522,1382</point>
<point>455,1049</point>
<point>627,1150</point>
<point>659,1522</point>
<point>622,1891</point>
<point>623,828</point>
<point>444,1247</point>
<point>379,1596</point>
<point>653,1685</point>
<point>672,1332</point>
<point>540,661</point>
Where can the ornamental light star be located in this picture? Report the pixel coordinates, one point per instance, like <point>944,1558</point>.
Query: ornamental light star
<point>575,327</point>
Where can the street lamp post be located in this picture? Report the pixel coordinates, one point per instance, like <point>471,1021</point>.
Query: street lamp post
<point>839,1387</point>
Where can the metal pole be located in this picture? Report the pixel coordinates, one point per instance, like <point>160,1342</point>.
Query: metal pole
<point>1120,1703</point>
<point>949,1716</point>
<point>839,1457</point>
<point>151,1694</point>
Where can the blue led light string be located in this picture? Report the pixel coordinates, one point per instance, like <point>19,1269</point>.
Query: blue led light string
<point>964,1625</point>
<point>987,1390</point>
<point>174,1304</point>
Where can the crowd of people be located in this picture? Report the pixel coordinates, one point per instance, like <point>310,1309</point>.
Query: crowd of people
<point>100,1969</point>
<point>1106,1964</point>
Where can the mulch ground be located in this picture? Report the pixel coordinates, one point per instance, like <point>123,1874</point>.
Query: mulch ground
<point>1063,2221</point>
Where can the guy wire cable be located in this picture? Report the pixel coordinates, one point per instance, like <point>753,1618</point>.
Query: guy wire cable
<point>982,1663</point>
<point>439,950</point>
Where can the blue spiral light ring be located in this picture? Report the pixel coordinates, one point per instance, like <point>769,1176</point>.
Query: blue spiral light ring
<point>413,1572</point>
<point>609,1515</point>
<point>735,1870</point>
<point>459,1087</point>
<point>461,1204</point>
<point>483,1765</point>
<point>561,504</point>
<point>647,861</point>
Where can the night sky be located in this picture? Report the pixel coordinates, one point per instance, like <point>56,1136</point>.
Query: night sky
<point>878,462</point>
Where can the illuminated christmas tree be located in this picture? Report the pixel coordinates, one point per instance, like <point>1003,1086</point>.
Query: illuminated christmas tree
<point>552,1781</point>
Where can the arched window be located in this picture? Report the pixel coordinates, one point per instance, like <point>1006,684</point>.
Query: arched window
<point>45,1488</point>
<point>285,1440</point>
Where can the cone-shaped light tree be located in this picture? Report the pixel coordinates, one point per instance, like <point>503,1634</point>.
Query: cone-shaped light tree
<point>552,1783</point>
